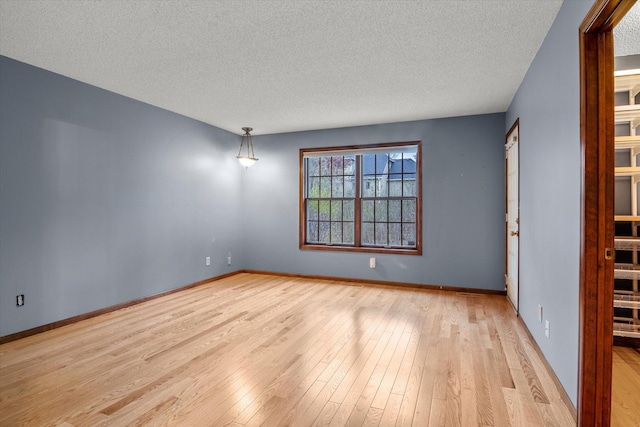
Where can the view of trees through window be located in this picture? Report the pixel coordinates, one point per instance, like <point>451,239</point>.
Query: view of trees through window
<point>362,200</point>
<point>331,193</point>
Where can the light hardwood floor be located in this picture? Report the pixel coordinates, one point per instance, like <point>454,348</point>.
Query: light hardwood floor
<point>254,350</point>
<point>625,396</point>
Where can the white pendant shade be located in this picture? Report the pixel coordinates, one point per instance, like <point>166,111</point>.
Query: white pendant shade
<point>247,158</point>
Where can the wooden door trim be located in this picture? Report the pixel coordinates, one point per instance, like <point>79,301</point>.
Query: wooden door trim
<point>597,130</point>
<point>516,125</point>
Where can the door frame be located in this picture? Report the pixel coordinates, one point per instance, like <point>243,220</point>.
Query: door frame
<point>515,126</point>
<point>597,130</point>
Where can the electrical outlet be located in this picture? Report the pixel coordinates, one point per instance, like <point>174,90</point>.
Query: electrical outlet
<point>228,260</point>
<point>207,261</point>
<point>20,300</point>
<point>372,263</point>
<point>539,313</point>
<point>546,328</point>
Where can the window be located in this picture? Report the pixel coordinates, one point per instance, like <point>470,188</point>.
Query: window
<point>364,198</point>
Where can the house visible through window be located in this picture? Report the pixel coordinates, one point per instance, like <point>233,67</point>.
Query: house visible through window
<point>364,198</point>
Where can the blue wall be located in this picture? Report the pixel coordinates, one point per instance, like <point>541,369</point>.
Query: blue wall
<point>104,199</point>
<point>463,205</point>
<point>548,105</point>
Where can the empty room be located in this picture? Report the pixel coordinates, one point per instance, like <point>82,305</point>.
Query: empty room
<point>342,213</point>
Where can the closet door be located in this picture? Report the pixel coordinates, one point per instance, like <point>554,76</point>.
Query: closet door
<point>513,216</point>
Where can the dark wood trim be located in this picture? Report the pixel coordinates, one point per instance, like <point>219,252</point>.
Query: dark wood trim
<point>604,15</point>
<point>419,217</point>
<point>357,206</point>
<point>506,223</point>
<point>380,283</point>
<point>597,220</point>
<point>626,342</point>
<point>302,214</point>
<point>563,393</point>
<point>359,147</point>
<point>514,126</point>
<point>366,249</point>
<point>80,317</point>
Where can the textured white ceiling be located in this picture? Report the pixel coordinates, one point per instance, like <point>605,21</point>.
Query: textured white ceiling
<point>285,65</point>
<point>626,35</point>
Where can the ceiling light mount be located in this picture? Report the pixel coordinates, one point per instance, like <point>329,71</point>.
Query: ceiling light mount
<point>248,158</point>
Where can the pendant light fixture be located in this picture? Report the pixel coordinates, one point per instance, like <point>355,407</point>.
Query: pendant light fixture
<point>248,158</point>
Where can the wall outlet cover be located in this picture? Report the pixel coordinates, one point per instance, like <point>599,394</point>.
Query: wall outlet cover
<point>546,328</point>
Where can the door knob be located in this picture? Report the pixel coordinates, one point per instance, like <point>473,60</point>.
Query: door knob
<point>515,233</point>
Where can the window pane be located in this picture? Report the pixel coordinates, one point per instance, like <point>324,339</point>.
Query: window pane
<point>368,165</point>
<point>349,165</point>
<point>325,187</point>
<point>381,233</point>
<point>336,232</point>
<point>384,162</point>
<point>313,166</point>
<point>395,213</point>
<point>324,210</point>
<point>395,188</point>
<point>381,211</point>
<point>336,210</point>
<point>313,188</point>
<point>336,165</point>
<point>409,187</point>
<point>312,232</point>
<point>395,234</point>
<point>386,197</point>
<point>348,214</point>
<point>369,186</point>
<point>367,233</point>
<point>312,210</point>
<point>347,232</point>
<point>337,190</point>
<point>323,236</point>
<point>325,166</point>
<point>408,211</point>
<point>367,210</point>
<point>408,234</point>
<point>382,187</point>
<point>349,186</point>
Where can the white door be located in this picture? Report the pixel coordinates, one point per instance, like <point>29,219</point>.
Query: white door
<point>512,217</point>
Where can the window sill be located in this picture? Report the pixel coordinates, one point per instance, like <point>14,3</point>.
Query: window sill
<point>363,249</point>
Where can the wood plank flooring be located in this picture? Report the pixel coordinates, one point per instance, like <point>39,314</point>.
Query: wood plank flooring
<point>625,396</point>
<point>258,350</point>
